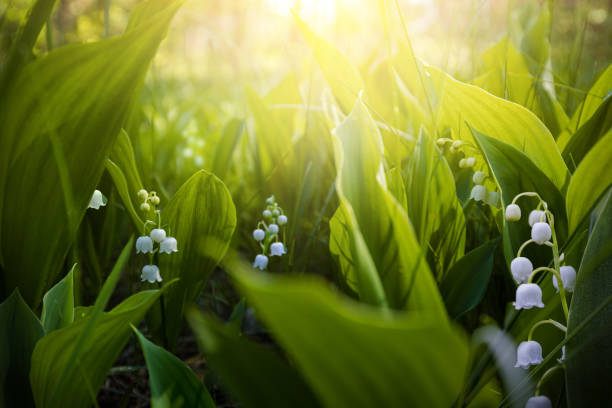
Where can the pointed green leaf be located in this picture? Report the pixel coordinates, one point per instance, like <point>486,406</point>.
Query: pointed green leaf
<point>202,218</point>
<point>172,382</point>
<point>58,304</point>
<point>20,329</point>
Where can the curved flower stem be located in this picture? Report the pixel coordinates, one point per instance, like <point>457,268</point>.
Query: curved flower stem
<point>528,194</point>
<point>543,322</point>
<point>545,376</point>
<point>559,283</point>
<point>529,241</point>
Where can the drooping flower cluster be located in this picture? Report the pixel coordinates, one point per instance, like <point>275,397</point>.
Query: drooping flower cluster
<point>146,244</point>
<point>528,293</point>
<point>268,233</point>
<point>97,200</point>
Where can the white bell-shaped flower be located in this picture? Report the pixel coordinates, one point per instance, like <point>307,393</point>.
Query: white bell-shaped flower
<point>540,401</point>
<point>470,162</point>
<point>266,213</point>
<point>536,216</point>
<point>145,207</point>
<point>150,273</point>
<point>168,245</point>
<point>528,295</point>
<point>261,262</point>
<point>277,249</point>
<point>158,235</point>
<point>528,353</point>
<point>513,212</point>
<point>568,277</point>
<point>479,193</point>
<point>144,245</point>
<point>97,200</point>
<point>273,228</point>
<point>521,269</point>
<point>259,234</point>
<point>541,232</point>
<point>282,219</point>
<point>479,177</point>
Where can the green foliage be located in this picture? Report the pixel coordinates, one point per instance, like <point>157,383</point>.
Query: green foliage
<point>589,355</point>
<point>254,373</point>
<point>76,96</point>
<point>172,382</point>
<point>58,304</point>
<point>202,218</point>
<point>366,354</point>
<point>466,282</point>
<point>20,329</point>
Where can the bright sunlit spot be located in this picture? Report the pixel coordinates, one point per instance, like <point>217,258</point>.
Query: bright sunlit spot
<point>325,11</point>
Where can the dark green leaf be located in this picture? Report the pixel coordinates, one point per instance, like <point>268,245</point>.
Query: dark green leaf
<point>58,304</point>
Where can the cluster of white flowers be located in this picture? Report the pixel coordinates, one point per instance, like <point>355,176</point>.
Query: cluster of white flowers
<point>529,294</point>
<point>97,200</point>
<point>268,233</point>
<point>480,192</point>
<point>145,244</point>
<point>148,199</point>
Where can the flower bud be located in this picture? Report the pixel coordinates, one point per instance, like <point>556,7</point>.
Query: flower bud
<point>158,235</point>
<point>470,162</point>
<point>275,213</point>
<point>568,277</point>
<point>541,232</point>
<point>479,177</point>
<point>513,212</point>
<point>282,219</point>
<point>528,295</point>
<point>479,193</point>
<point>270,200</point>
<point>462,164</point>
<point>540,401</point>
<point>456,145</point>
<point>144,245</point>
<point>97,200</point>
<point>441,142</point>
<point>155,200</point>
<point>145,207</point>
<point>528,353</point>
<point>168,245</point>
<point>150,273</point>
<point>277,249</point>
<point>521,269</point>
<point>142,194</point>
<point>261,262</point>
<point>267,213</point>
<point>273,228</point>
<point>536,216</point>
<point>259,234</point>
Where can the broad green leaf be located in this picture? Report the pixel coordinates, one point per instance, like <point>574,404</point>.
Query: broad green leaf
<point>202,218</point>
<point>341,75</point>
<point>58,380</point>
<point>466,282</point>
<point>395,182</point>
<point>58,304</point>
<point>355,355</point>
<point>53,377</point>
<point>515,173</point>
<point>382,243</point>
<point>172,382</point>
<point>76,96</point>
<point>433,206</point>
<point>20,329</point>
<point>589,357</point>
<point>254,373</point>
<point>591,179</point>
<point>593,130</point>
<point>462,104</point>
<point>595,96</point>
